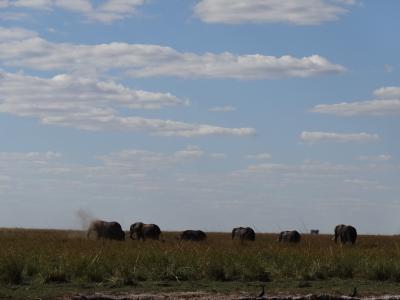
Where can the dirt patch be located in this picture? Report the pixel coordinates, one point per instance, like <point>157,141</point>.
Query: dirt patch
<point>204,296</point>
<point>161,296</point>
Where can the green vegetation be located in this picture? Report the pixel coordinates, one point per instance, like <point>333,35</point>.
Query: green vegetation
<point>39,260</point>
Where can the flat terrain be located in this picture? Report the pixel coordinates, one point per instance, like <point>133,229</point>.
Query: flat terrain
<point>49,263</point>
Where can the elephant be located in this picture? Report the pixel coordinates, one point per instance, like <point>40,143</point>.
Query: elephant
<point>314,231</point>
<point>145,231</point>
<point>193,235</point>
<point>346,233</point>
<point>106,230</point>
<point>289,236</point>
<point>243,234</point>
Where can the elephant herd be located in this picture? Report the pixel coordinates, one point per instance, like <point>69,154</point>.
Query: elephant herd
<point>346,234</point>
<point>138,230</point>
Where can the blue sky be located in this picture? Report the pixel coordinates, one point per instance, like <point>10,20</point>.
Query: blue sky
<point>201,114</point>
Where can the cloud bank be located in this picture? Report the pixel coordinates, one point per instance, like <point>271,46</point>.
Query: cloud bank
<point>388,103</point>
<point>139,179</point>
<point>298,12</point>
<point>318,136</point>
<point>26,50</point>
<point>90,104</point>
<point>106,12</point>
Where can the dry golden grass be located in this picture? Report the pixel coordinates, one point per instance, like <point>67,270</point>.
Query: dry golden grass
<point>49,256</point>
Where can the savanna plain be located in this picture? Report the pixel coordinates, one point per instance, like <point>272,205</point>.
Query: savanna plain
<point>47,264</point>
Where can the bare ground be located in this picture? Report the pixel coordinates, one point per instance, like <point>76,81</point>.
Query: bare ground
<point>217,296</point>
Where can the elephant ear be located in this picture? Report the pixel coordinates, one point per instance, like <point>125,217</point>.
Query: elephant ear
<point>136,226</point>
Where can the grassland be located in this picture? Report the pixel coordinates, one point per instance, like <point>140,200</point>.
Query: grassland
<point>50,262</point>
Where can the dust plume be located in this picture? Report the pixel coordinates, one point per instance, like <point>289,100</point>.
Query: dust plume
<point>84,217</point>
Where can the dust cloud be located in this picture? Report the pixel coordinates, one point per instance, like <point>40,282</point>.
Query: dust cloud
<point>84,217</point>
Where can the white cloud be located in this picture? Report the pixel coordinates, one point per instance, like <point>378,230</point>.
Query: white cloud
<point>388,92</point>
<point>308,168</point>
<point>135,160</point>
<point>357,181</point>
<point>365,184</point>
<point>94,105</point>
<point>4,3</point>
<point>299,12</point>
<point>348,2</point>
<point>189,152</point>
<point>12,162</point>
<point>107,12</point>
<point>82,6</point>
<point>317,136</point>
<point>389,68</point>
<point>138,180</point>
<point>140,60</point>
<point>29,156</point>
<point>67,92</point>
<point>218,155</point>
<point>36,4</point>
<point>8,35</point>
<point>13,16</point>
<point>375,158</point>
<point>222,109</point>
<point>259,156</point>
<point>144,161</point>
<point>171,128</point>
<point>367,108</point>
<point>388,104</point>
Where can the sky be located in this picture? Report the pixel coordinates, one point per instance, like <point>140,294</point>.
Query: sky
<point>200,114</point>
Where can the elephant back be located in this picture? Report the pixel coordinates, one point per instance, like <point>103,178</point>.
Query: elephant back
<point>193,235</point>
<point>202,235</point>
<point>106,230</point>
<point>248,234</point>
<point>151,231</point>
<point>348,235</point>
<point>295,236</point>
<point>345,233</point>
<point>114,231</point>
<point>292,236</point>
<point>243,233</point>
<point>144,231</point>
<point>236,232</point>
